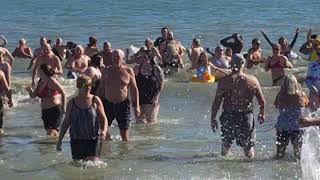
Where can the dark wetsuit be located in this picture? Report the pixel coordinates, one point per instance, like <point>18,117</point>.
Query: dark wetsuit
<point>236,46</point>
<point>158,41</point>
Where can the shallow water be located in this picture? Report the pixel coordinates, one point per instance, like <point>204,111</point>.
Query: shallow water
<point>182,145</point>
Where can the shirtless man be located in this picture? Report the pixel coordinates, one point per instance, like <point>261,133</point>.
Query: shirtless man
<point>277,63</point>
<point>7,55</point>
<point>4,87</point>
<point>236,91</point>
<point>106,53</point>
<point>37,52</point>
<point>236,45</point>
<point>22,51</point>
<point>254,56</point>
<point>78,63</point>
<point>47,57</point>
<point>196,50</point>
<point>171,52</point>
<point>160,40</point>
<point>60,48</point>
<point>92,47</point>
<point>117,82</point>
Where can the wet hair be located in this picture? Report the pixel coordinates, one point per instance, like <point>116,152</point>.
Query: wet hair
<point>47,70</point>
<point>83,81</point>
<point>255,40</point>
<point>96,60</point>
<point>49,41</point>
<point>164,28</point>
<point>92,41</point>
<point>290,86</point>
<point>196,41</point>
<point>202,54</point>
<point>314,36</point>
<point>148,40</point>
<point>23,41</point>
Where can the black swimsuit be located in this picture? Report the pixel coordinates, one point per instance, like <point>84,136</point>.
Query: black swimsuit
<point>148,87</point>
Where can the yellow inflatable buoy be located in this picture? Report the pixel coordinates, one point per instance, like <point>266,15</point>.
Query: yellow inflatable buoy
<point>207,78</point>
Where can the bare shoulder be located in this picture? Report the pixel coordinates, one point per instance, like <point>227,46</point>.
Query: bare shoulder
<point>128,69</point>
<point>97,100</point>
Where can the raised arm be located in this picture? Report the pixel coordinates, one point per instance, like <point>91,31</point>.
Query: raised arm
<point>266,37</point>
<point>294,39</point>
<point>65,125</point>
<point>225,42</point>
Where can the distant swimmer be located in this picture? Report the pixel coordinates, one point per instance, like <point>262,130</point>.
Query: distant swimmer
<point>150,79</point>
<point>4,88</point>
<point>160,40</point>
<point>87,122</point>
<point>311,46</point>
<point>219,59</point>
<point>148,50</point>
<point>117,83</point>
<point>277,63</point>
<point>106,53</point>
<point>290,100</point>
<point>196,50</point>
<point>236,43</point>
<point>313,83</point>
<point>60,48</point>
<point>171,52</point>
<point>254,56</point>
<point>204,66</point>
<point>23,50</point>
<point>78,63</point>
<point>37,52</point>
<point>92,47</point>
<point>53,99</point>
<point>236,91</point>
<point>286,48</point>
<point>94,72</point>
<point>47,57</point>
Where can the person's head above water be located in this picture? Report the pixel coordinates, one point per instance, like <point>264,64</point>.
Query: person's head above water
<point>59,41</point>
<point>170,35</point>
<point>84,83</point>
<point>237,62</point>
<point>290,85</point>
<point>196,42</point>
<point>107,46</point>
<point>218,51</point>
<point>256,43</point>
<point>92,41</point>
<point>148,43</point>
<point>164,32</point>
<point>79,50</point>
<point>22,42</point>
<point>283,41</point>
<point>43,41</point>
<point>276,49</point>
<point>96,60</point>
<point>203,59</point>
<point>117,57</point>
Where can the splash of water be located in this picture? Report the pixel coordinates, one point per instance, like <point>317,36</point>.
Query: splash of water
<point>310,155</point>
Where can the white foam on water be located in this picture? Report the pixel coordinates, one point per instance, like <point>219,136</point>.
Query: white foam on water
<point>310,155</point>
<point>91,164</point>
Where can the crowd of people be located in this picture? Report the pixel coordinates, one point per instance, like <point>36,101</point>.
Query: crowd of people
<point>108,88</point>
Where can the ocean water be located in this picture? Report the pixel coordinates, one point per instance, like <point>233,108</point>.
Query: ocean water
<point>181,145</point>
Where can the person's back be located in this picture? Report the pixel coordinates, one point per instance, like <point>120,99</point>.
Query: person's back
<point>239,90</point>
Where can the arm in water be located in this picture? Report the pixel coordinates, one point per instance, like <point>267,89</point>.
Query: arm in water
<point>216,106</point>
<point>65,125</point>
